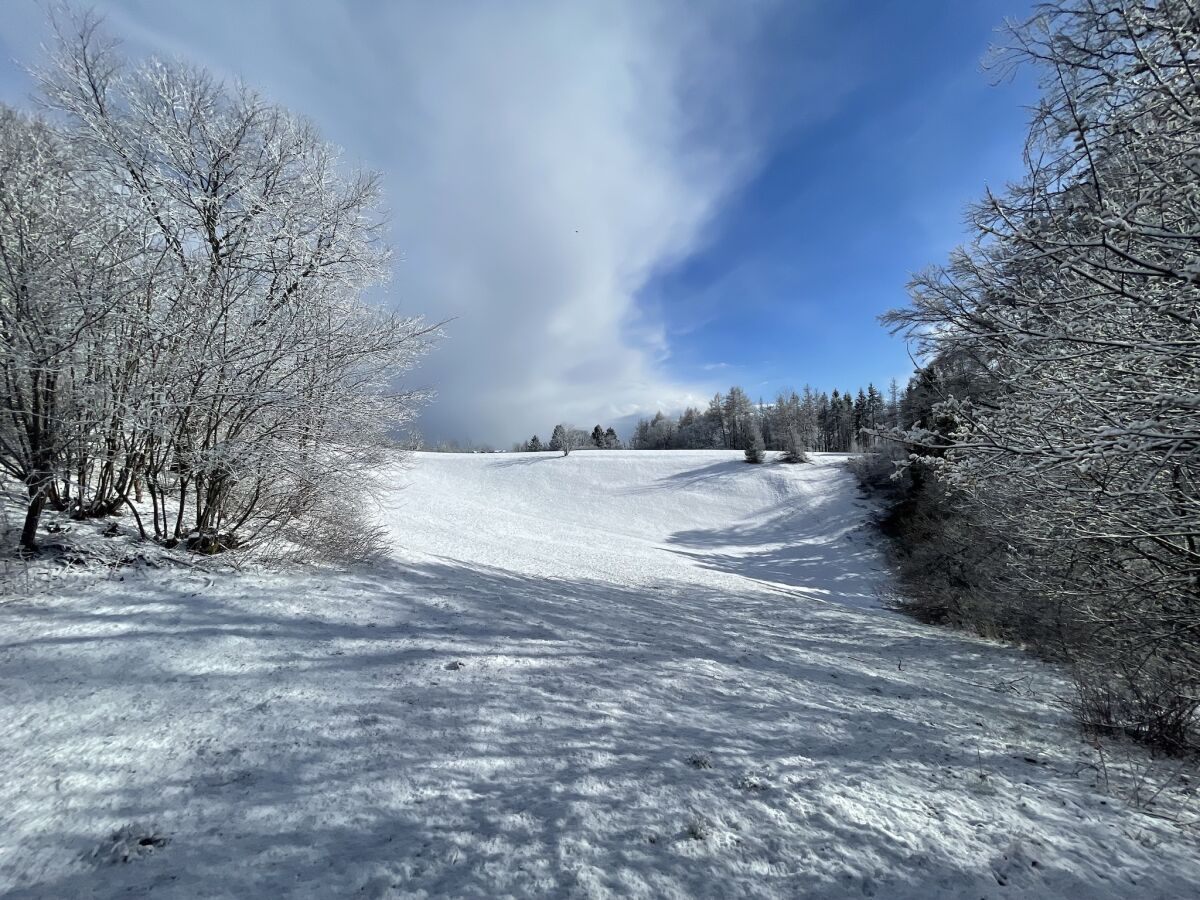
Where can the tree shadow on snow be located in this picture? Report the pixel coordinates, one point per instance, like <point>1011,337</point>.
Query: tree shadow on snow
<point>816,544</point>
<point>309,737</point>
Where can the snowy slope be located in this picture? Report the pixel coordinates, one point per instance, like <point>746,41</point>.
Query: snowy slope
<point>633,519</point>
<point>614,674</point>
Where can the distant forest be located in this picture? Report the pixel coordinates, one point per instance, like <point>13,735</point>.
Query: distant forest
<point>841,421</point>
<point>838,422</point>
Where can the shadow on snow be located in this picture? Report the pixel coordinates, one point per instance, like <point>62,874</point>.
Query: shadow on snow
<point>329,740</point>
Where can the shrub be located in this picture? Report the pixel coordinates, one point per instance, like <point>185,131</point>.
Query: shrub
<point>793,447</point>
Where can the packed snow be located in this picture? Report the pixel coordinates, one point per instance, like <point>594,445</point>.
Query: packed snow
<point>614,674</point>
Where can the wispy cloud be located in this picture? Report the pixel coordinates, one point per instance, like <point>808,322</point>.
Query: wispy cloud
<point>543,162</point>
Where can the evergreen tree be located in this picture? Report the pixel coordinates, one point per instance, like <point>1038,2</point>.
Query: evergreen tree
<point>714,416</point>
<point>830,408</point>
<point>611,441</point>
<point>860,416</point>
<point>534,445</point>
<point>598,438</point>
<point>893,407</point>
<point>841,422</point>
<point>567,438</point>
<point>849,431</point>
<point>809,421</point>
<point>752,443</point>
<point>876,408</point>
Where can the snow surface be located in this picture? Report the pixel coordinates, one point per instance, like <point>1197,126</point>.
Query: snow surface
<point>607,675</point>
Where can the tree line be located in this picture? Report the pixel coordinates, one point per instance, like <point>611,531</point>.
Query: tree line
<point>834,422</point>
<point>565,438</point>
<point>182,265</point>
<point>1050,456</point>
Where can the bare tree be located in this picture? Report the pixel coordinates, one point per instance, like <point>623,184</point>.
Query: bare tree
<point>1079,303</point>
<point>63,279</point>
<point>793,447</point>
<point>184,263</point>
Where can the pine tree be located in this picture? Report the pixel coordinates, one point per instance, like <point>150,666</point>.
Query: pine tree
<point>876,414</point>
<point>715,417</point>
<point>598,438</point>
<point>611,441</point>
<point>810,429</point>
<point>893,407</point>
<point>752,443</point>
<point>860,417</point>
<point>534,445</point>
<point>567,438</point>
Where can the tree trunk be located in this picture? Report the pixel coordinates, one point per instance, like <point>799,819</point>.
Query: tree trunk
<point>33,515</point>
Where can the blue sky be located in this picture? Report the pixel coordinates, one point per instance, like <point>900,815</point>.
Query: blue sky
<point>823,239</point>
<point>626,206</point>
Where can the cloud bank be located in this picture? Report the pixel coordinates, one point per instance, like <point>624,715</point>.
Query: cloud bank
<point>543,161</point>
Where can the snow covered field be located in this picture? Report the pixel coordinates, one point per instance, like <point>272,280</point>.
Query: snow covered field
<point>613,674</point>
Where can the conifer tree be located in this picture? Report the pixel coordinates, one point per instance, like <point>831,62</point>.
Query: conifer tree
<point>752,443</point>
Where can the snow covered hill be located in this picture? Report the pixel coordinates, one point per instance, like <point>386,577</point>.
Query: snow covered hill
<point>628,518</point>
<point>607,675</point>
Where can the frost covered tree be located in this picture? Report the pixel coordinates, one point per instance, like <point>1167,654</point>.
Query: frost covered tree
<point>567,438</point>
<point>64,278</point>
<point>793,447</point>
<point>739,414</point>
<point>658,433</point>
<point>558,439</point>
<point>714,417</point>
<point>208,344</point>
<point>822,424</point>
<point>1078,305</point>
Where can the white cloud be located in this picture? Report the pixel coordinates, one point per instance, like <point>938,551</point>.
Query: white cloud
<point>543,160</point>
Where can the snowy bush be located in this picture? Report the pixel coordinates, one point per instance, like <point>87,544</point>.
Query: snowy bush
<point>698,828</point>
